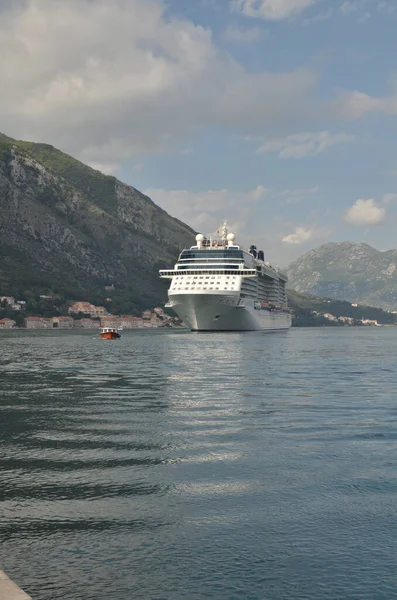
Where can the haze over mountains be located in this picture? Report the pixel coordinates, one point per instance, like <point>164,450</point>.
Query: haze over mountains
<point>348,271</point>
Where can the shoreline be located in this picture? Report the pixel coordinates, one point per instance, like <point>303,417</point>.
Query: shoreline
<point>9,590</point>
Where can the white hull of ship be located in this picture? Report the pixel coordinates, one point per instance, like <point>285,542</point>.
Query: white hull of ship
<point>212,312</point>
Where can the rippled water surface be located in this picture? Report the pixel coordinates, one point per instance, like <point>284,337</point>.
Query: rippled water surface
<point>171,465</point>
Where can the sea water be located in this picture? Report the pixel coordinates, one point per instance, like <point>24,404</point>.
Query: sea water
<point>173,465</point>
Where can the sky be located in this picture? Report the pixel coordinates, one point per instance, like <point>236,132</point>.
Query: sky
<point>277,115</point>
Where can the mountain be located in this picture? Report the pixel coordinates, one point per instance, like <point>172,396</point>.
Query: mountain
<point>70,230</point>
<point>347,271</point>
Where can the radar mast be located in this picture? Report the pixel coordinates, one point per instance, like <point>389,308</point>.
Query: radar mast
<point>224,231</point>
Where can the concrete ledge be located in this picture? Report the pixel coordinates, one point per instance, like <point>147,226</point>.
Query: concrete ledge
<point>9,590</point>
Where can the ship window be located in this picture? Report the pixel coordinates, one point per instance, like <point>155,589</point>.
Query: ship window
<point>227,253</point>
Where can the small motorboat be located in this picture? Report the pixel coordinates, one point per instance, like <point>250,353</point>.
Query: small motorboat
<point>109,333</point>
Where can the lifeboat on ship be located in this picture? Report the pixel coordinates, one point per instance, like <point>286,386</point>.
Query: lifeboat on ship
<point>109,333</point>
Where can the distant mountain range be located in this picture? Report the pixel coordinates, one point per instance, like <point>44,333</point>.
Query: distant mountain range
<point>347,271</point>
<point>69,229</point>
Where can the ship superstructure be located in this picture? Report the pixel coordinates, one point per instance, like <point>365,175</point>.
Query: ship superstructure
<point>218,286</point>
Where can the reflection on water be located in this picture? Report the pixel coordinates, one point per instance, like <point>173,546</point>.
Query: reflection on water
<point>177,465</point>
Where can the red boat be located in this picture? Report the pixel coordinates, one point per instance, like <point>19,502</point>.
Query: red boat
<point>109,333</point>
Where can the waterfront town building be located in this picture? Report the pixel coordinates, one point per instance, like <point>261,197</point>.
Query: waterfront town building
<point>7,323</point>
<point>62,322</point>
<point>88,309</point>
<point>86,323</point>
<point>38,323</point>
<point>98,317</point>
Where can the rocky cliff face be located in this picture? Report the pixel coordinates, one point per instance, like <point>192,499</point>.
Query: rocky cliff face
<point>347,271</point>
<point>64,225</point>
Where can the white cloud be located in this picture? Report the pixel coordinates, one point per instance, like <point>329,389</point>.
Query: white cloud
<point>355,105</point>
<point>349,7</point>
<point>300,145</point>
<point>365,212</point>
<point>276,10</point>
<point>322,16</point>
<point>364,9</point>
<point>271,10</point>
<point>107,168</point>
<point>299,191</point>
<point>109,80</point>
<point>238,35</point>
<point>299,236</point>
<point>389,198</point>
<point>259,192</point>
<point>206,210</point>
<point>364,17</point>
<point>296,195</point>
<point>386,8</point>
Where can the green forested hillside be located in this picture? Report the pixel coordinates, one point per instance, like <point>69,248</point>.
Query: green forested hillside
<point>70,230</point>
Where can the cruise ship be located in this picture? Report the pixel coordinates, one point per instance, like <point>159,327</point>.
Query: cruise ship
<point>218,286</point>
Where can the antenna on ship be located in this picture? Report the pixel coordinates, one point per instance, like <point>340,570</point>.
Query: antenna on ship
<point>224,231</point>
